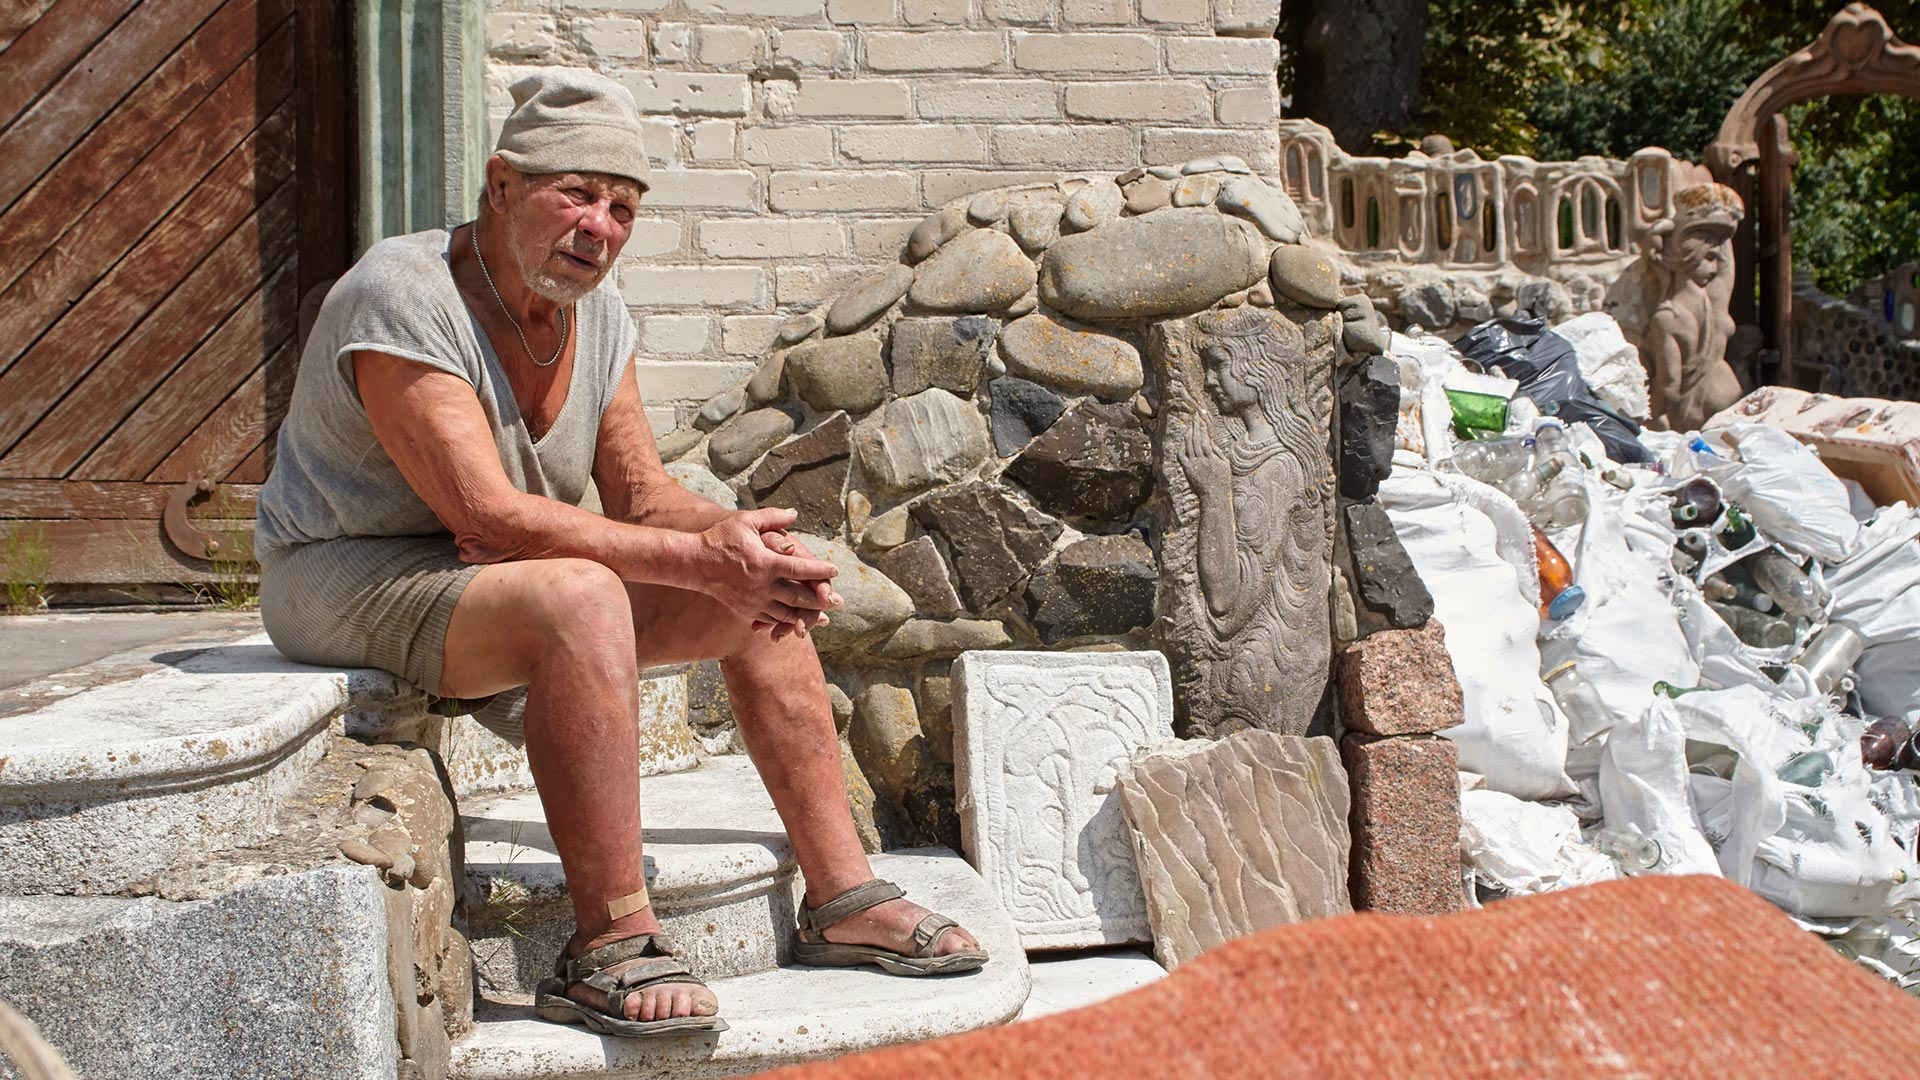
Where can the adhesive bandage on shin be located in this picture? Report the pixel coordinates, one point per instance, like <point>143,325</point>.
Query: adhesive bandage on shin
<point>622,906</point>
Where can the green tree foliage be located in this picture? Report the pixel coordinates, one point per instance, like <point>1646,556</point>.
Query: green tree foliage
<point>1670,73</point>
<point>1486,62</point>
<point>1555,81</point>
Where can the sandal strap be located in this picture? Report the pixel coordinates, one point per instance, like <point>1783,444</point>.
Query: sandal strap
<point>637,972</point>
<point>929,931</point>
<point>576,969</point>
<point>848,904</point>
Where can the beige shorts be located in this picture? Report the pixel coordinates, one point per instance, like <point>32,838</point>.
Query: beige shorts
<point>380,602</point>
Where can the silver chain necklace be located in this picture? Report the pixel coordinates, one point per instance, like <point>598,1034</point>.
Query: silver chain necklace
<point>475,234</point>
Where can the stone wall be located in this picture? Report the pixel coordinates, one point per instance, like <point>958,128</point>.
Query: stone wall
<point>1088,414</point>
<point>1860,346</point>
<point>799,141</point>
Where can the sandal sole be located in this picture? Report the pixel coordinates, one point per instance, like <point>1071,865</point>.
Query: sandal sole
<point>833,954</point>
<point>565,1010</point>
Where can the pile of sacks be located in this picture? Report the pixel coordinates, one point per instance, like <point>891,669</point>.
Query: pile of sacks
<point>1703,660</point>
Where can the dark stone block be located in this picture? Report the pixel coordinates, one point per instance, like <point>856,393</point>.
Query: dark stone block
<point>1386,585</point>
<point>808,473</point>
<point>916,566</point>
<point>1019,411</point>
<point>1096,462</point>
<point>994,542</point>
<point>1100,585</point>
<point>1369,410</point>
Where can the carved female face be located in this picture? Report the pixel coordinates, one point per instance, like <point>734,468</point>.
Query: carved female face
<point>1231,393</point>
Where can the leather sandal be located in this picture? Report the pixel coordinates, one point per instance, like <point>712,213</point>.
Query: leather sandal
<point>813,948</point>
<point>619,971</point>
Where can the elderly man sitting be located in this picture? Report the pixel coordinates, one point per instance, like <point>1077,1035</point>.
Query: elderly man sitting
<point>456,394</point>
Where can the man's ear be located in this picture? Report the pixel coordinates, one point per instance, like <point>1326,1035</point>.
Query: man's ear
<point>500,179</point>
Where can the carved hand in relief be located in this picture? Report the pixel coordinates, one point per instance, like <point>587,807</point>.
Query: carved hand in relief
<point>1206,464</point>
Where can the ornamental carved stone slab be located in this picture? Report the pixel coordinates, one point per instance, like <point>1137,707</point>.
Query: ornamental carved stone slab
<point>1246,509</point>
<point>1038,738</point>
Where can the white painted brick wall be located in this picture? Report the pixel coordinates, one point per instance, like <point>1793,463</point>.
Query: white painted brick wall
<point>797,143</point>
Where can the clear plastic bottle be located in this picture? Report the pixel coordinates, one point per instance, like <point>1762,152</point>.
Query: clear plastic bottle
<point>1528,482</point>
<point>1552,442</point>
<point>1563,503</point>
<point>1491,460</point>
<point>1632,851</point>
<point>1587,715</point>
<point>1787,584</point>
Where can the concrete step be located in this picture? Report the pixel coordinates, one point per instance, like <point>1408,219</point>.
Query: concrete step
<point>719,869</point>
<point>1069,980</point>
<point>786,1014</point>
<point>105,780</point>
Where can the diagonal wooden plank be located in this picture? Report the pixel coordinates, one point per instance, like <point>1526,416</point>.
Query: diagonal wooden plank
<point>66,500</point>
<point>61,274</point>
<point>87,175</point>
<point>45,50</point>
<point>253,469</point>
<point>64,354</point>
<point>193,311</point>
<point>224,442</point>
<point>83,95</point>
<point>255,330</point>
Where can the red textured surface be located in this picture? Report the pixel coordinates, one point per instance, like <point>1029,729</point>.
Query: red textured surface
<point>1652,977</point>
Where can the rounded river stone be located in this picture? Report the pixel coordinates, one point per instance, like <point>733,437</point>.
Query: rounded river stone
<point>870,296</point>
<point>839,373</point>
<point>746,437</point>
<point>1173,262</point>
<point>1307,274</point>
<point>934,230</point>
<point>983,271</point>
<point>1070,358</point>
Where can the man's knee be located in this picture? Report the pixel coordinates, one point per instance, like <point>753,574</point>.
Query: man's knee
<point>578,599</point>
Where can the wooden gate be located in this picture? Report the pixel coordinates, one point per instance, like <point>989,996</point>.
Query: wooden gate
<point>174,176</point>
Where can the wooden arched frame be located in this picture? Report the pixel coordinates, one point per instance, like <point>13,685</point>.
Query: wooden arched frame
<point>1856,54</point>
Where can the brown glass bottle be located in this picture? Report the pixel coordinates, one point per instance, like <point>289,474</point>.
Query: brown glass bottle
<point>1559,596</point>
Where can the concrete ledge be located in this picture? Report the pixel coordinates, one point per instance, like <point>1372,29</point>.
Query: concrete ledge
<point>787,1014</point>
<point>108,786</point>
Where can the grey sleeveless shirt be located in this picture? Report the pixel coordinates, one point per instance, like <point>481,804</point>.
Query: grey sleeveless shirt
<point>331,478</point>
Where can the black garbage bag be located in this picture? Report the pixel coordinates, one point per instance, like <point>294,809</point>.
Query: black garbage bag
<point>1548,371</point>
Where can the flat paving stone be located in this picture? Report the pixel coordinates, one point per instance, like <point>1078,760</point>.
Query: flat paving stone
<point>1066,981</point>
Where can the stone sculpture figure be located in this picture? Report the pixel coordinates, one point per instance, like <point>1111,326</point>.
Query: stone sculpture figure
<point>1684,347</point>
<point>1248,519</point>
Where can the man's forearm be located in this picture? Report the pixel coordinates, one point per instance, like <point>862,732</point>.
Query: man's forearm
<point>532,527</point>
<point>667,506</point>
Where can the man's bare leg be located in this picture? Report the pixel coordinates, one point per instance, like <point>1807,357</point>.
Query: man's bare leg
<point>779,698</point>
<point>576,636</point>
<point>563,629</point>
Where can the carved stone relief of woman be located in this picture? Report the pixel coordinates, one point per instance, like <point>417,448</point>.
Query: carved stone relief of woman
<point>1245,562</point>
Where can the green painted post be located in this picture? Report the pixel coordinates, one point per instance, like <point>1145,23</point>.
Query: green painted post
<point>423,122</point>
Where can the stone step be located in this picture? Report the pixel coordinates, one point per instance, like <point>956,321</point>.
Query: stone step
<point>190,750</point>
<point>786,1014</point>
<point>719,869</point>
<point>1070,980</point>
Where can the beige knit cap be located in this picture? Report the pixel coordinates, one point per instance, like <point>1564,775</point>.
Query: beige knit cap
<point>571,120</point>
